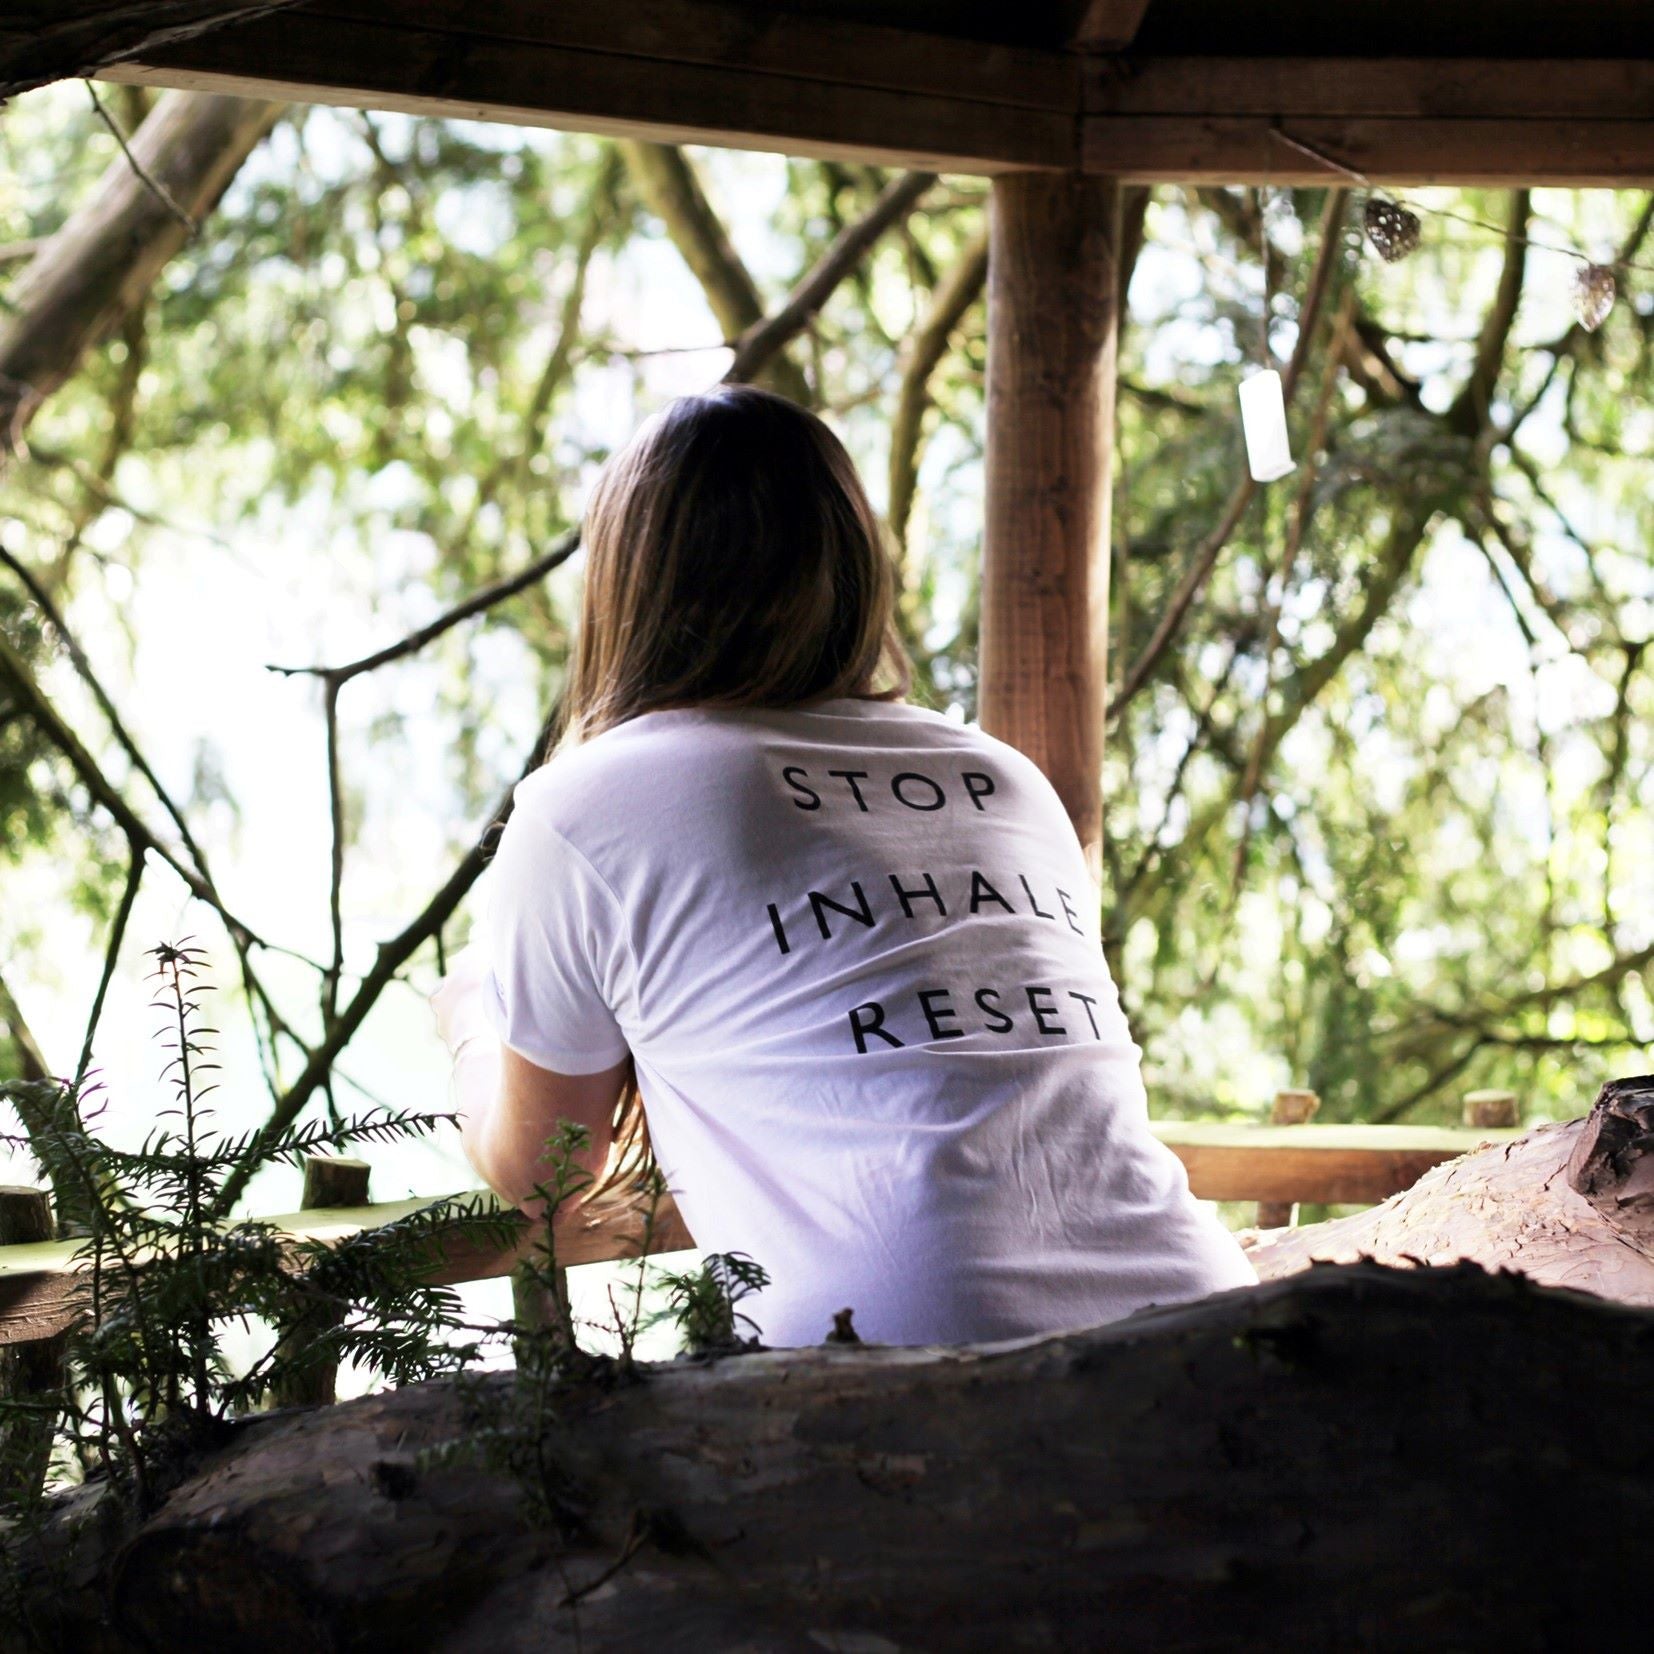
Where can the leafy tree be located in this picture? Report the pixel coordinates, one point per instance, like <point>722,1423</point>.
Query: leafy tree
<point>1378,750</point>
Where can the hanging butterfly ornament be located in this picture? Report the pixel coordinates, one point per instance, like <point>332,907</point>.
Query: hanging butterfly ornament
<point>1594,293</point>
<point>1392,228</point>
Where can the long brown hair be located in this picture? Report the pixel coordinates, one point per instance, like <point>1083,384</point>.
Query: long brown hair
<point>732,560</point>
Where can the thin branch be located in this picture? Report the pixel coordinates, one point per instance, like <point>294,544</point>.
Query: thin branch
<point>1468,415</point>
<point>1188,589</point>
<point>1326,265</point>
<point>241,939</point>
<point>111,954</point>
<point>1618,753</point>
<point>487,597</point>
<point>336,855</point>
<point>1205,559</point>
<point>145,177</point>
<point>1432,1083</point>
<point>392,956</point>
<point>600,213</point>
<point>953,297</point>
<point>764,339</point>
<point>103,792</point>
<point>71,644</point>
<point>671,190</point>
<point>1289,559</point>
<point>31,1057</point>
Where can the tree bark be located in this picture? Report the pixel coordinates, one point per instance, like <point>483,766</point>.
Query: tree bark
<point>1356,1458</point>
<point>92,273</point>
<point>663,177</point>
<point>1569,1205</point>
<point>1053,324</point>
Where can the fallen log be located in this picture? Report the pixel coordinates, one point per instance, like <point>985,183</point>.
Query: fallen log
<point>1353,1458</point>
<point>1569,1205</point>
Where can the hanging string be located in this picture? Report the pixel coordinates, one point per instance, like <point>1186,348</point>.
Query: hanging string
<point>1321,158</point>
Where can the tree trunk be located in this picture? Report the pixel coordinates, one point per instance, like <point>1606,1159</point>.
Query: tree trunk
<point>93,272</point>
<point>669,188</point>
<point>1568,1205</point>
<point>1355,1458</point>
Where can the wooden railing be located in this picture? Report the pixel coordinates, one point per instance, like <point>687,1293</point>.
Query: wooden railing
<point>1277,1165</point>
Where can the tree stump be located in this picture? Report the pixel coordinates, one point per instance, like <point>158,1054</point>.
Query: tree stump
<point>330,1180</point>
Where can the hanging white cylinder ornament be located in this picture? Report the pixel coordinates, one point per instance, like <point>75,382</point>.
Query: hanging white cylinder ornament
<point>1263,420</point>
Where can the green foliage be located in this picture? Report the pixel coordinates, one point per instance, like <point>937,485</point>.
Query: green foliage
<point>702,1302</point>
<point>1378,819</point>
<point>146,1381</point>
<point>513,1427</point>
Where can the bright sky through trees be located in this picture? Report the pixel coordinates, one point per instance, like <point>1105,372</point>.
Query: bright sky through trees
<point>343,408</point>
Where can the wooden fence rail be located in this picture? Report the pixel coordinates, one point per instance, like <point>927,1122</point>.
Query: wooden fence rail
<point>1276,1165</point>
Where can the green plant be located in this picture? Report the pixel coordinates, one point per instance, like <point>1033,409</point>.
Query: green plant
<point>702,1302</point>
<point>145,1381</point>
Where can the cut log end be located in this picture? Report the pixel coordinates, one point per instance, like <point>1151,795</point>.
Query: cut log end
<point>1612,1163</point>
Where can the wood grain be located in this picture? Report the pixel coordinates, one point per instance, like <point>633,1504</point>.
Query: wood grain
<point>1052,333</point>
<point>476,76</point>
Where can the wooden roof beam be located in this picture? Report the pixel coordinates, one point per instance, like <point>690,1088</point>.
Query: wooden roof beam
<point>844,89</point>
<point>831,88</point>
<point>1404,150</point>
<point>1108,25</point>
<point>46,40</point>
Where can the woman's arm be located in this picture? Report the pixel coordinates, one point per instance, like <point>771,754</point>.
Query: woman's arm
<point>505,1133</point>
<point>508,1106</point>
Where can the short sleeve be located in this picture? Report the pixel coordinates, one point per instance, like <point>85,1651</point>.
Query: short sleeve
<point>557,952</point>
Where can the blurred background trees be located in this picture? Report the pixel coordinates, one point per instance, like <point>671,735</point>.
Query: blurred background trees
<point>1378,813</point>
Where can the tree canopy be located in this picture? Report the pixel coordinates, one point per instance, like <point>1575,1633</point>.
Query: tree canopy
<point>1377,817</point>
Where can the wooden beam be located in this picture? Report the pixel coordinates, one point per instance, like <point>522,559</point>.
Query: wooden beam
<point>1052,329</point>
<point>726,34</point>
<point>1405,150</point>
<point>1324,1164</point>
<point>725,73</point>
<point>1440,90</point>
<point>38,1284</point>
<point>47,40</point>
<point>364,63</point>
<point>1328,1165</point>
<point>1109,25</point>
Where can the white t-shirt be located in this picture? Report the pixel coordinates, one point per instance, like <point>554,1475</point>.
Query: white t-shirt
<point>853,950</point>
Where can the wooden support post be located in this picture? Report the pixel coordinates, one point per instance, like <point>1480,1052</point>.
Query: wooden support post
<point>31,1373</point>
<point>330,1182</point>
<point>1290,1108</point>
<point>1490,1110</point>
<point>1052,328</point>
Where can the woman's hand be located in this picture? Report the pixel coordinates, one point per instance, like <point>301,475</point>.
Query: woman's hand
<point>462,999</point>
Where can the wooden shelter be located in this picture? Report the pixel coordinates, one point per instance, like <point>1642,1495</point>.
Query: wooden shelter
<point>1063,102</point>
<point>1250,1470</point>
